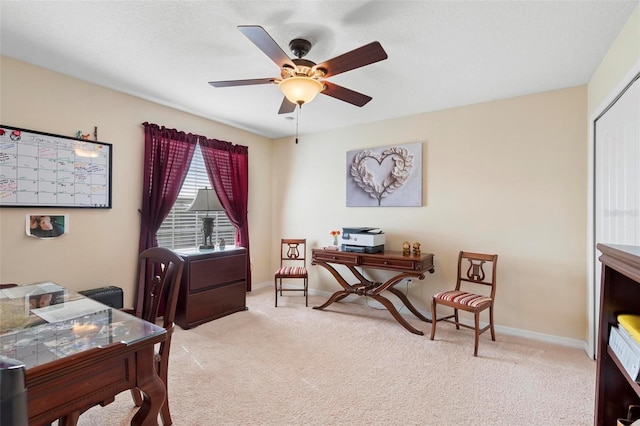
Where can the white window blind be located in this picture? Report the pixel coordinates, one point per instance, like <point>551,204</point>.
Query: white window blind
<point>182,228</point>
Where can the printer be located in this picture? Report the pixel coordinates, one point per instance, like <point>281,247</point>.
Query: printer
<point>362,240</point>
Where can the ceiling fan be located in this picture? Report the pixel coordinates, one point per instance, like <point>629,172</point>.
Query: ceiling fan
<point>301,80</point>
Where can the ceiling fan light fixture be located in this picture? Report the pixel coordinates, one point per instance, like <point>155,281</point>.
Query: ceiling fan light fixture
<point>300,90</point>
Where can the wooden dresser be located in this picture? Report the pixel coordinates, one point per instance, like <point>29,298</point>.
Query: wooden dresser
<point>214,284</point>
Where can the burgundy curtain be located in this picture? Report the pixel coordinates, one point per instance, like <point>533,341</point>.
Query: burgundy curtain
<point>167,156</point>
<point>228,170</point>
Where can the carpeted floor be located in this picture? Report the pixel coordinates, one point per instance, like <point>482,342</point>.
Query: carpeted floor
<point>355,365</point>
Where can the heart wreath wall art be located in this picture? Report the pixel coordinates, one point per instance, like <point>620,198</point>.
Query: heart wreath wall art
<point>384,175</point>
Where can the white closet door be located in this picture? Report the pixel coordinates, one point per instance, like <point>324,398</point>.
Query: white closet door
<point>617,170</point>
<point>617,175</point>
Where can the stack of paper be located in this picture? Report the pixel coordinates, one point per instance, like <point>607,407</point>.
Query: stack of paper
<point>631,324</point>
<point>625,343</point>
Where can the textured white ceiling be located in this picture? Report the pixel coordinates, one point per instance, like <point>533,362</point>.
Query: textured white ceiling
<point>442,54</point>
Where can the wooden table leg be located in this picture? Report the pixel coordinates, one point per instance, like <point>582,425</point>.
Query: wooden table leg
<point>152,388</point>
<point>392,309</point>
<point>335,297</point>
<point>408,304</point>
<point>69,419</point>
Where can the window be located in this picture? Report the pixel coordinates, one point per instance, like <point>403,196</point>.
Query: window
<point>182,228</point>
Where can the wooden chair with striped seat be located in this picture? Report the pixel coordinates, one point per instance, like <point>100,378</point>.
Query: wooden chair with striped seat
<point>471,273</point>
<point>293,265</point>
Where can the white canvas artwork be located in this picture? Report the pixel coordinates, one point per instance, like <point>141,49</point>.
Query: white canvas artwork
<point>385,177</point>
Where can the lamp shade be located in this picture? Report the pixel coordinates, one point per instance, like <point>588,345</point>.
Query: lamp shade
<point>300,90</point>
<point>206,201</point>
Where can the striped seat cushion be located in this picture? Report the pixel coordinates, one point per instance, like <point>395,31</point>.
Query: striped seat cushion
<point>292,270</point>
<point>463,298</point>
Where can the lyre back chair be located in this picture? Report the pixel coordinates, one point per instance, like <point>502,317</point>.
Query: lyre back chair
<point>475,270</point>
<point>159,277</point>
<point>293,265</point>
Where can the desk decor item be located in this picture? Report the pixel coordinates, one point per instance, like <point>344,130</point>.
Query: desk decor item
<point>387,176</point>
<point>47,170</point>
<point>334,237</point>
<point>416,248</point>
<point>406,247</point>
<point>206,201</point>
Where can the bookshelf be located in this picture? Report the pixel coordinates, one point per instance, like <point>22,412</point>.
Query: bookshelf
<point>619,293</point>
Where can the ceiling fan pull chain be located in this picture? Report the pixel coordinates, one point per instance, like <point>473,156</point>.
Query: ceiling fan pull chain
<point>297,121</point>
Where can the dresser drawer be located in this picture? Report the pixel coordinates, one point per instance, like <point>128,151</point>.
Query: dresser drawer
<point>209,305</point>
<point>341,257</point>
<point>209,273</point>
<point>387,263</point>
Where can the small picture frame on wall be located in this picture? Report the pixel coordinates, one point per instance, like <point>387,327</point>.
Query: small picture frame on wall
<point>46,226</point>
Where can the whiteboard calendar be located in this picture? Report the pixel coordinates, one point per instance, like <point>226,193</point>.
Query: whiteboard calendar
<point>44,170</point>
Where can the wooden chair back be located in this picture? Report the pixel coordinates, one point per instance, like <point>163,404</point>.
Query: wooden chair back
<point>159,277</point>
<point>477,269</point>
<point>293,252</point>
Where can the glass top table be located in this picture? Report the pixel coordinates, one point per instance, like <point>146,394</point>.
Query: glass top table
<point>44,322</point>
<point>78,352</point>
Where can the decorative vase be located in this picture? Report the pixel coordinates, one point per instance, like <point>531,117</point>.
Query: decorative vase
<point>335,240</point>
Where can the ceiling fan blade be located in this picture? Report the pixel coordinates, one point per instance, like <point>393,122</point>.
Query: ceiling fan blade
<point>344,94</point>
<point>287,106</point>
<point>242,82</point>
<point>365,55</point>
<point>264,42</point>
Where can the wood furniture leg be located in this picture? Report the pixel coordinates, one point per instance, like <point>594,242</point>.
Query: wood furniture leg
<point>394,312</point>
<point>70,419</point>
<point>152,389</point>
<point>366,287</point>
<point>335,297</point>
<point>400,295</point>
<point>338,295</point>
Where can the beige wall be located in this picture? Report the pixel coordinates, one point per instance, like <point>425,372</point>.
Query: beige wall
<point>101,247</point>
<point>504,177</point>
<point>623,55</point>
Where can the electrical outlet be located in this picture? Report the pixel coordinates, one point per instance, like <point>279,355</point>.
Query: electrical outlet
<point>409,280</point>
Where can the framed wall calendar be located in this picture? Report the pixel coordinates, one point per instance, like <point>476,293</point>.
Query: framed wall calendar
<point>46,170</point>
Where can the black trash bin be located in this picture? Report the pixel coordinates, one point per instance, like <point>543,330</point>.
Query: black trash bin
<point>13,393</point>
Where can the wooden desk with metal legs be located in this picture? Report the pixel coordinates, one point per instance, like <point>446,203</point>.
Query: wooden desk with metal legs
<point>405,266</point>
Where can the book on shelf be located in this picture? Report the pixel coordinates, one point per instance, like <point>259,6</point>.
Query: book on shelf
<point>631,324</point>
<point>627,350</point>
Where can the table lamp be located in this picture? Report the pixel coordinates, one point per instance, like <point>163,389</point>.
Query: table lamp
<point>206,201</point>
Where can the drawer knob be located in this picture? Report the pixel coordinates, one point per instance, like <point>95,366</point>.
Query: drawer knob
<point>386,262</point>
<point>333,257</point>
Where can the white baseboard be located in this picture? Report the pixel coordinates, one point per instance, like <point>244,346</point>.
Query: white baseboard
<point>510,331</point>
